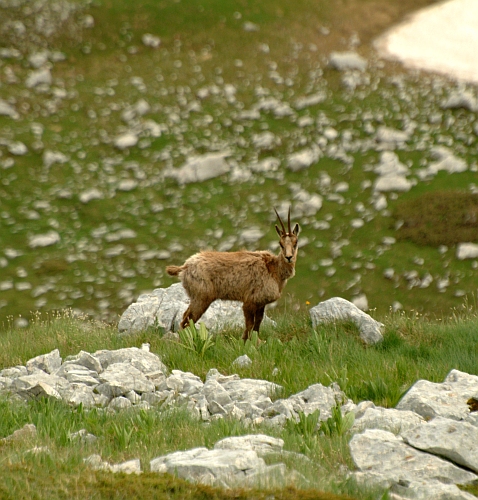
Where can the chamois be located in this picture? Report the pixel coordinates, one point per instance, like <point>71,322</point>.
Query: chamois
<point>253,278</point>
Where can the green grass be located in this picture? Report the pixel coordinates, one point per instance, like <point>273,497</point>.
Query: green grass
<point>293,355</point>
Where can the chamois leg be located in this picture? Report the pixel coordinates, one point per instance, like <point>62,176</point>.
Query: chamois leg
<point>258,318</point>
<point>195,310</point>
<point>249,319</point>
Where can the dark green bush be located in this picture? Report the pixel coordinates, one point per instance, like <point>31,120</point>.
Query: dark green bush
<point>439,218</point>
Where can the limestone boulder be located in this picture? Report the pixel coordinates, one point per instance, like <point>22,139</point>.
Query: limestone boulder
<point>385,459</point>
<point>338,309</point>
<point>456,441</point>
<point>447,399</point>
<point>164,308</point>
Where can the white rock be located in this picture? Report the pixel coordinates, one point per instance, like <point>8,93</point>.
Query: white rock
<point>8,110</point>
<point>39,77</point>
<point>88,21</point>
<point>44,240</point>
<point>361,302</point>
<point>392,183</point>
<point>344,61</point>
<point>390,165</point>
<point>151,40</point>
<point>91,194</point>
<point>338,309</point>
<point>303,159</point>
<point>460,99</point>
<point>266,165</point>
<point>51,157</point>
<point>201,168</point>
<point>466,251</point>
<point>447,438</point>
<point>127,140</point>
<point>265,140</point>
<point>447,399</point>
<point>391,138</point>
<point>242,361</point>
<point>251,235</point>
<point>249,26</point>
<point>388,419</point>
<point>310,100</point>
<point>127,185</point>
<point>385,459</point>
<point>17,148</point>
<point>38,59</point>
<point>263,445</point>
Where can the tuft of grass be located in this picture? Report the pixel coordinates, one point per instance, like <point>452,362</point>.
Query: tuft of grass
<point>195,339</point>
<point>337,423</point>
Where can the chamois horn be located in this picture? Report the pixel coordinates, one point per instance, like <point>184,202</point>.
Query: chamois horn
<point>280,220</point>
<point>288,221</point>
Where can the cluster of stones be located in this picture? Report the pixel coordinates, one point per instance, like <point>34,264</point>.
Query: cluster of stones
<point>420,449</point>
<point>424,447</point>
<point>136,377</point>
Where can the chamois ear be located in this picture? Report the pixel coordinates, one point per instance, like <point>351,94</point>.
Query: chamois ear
<point>279,232</point>
<point>296,229</point>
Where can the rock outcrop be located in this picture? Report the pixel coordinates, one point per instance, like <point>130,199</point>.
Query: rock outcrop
<point>421,449</point>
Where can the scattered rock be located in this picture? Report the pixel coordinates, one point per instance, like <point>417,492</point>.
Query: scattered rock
<point>90,195</point>
<point>44,240</point>
<point>466,251</point>
<point>385,459</point>
<point>125,141</point>
<point>150,40</point>
<point>460,99</point>
<point>344,61</point>
<point>447,399</point>
<point>242,361</point>
<point>446,438</point>
<point>27,432</point>
<point>202,168</point>
<point>8,110</point>
<point>39,77</point>
<point>338,309</point>
<point>303,159</point>
<point>387,419</point>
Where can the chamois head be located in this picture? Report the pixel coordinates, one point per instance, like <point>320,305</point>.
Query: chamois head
<point>288,239</point>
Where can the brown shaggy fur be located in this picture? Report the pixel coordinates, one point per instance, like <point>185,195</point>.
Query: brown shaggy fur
<point>253,278</point>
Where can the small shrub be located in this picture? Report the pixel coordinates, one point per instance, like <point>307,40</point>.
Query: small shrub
<point>439,218</point>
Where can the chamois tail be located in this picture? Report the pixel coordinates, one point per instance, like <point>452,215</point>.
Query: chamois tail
<point>174,270</point>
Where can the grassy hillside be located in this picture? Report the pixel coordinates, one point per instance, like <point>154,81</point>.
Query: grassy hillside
<point>294,355</point>
<point>210,67</point>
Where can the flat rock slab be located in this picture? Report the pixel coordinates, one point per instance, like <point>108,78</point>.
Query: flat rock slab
<point>386,459</point>
<point>447,399</point>
<point>260,443</point>
<point>457,441</point>
<point>388,419</point>
<point>225,467</point>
